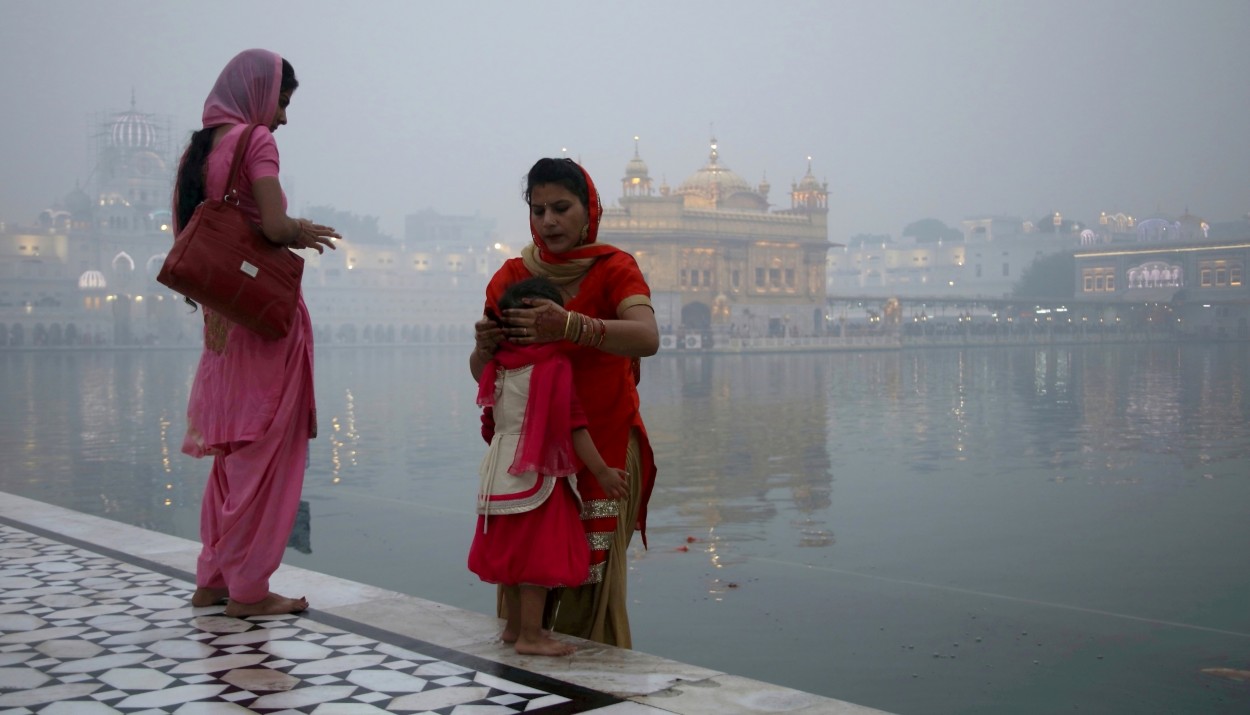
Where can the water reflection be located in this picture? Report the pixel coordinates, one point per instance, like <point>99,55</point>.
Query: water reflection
<point>741,440</point>
<point>908,486</point>
<point>743,443</point>
<point>301,532</point>
<point>343,438</point>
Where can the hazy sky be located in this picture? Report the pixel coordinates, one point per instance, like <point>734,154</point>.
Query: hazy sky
<point>909,110</point>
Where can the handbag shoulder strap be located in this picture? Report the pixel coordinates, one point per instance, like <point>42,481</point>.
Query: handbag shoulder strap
<point>232,188</point>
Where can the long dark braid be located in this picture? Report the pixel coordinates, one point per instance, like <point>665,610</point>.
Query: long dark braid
<point>189,188</point>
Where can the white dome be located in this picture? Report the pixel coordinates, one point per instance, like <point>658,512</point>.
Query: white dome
<point>132,130</point>
<point>92,280</point>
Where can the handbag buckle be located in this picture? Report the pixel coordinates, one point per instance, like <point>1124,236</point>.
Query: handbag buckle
<point>232,198</point>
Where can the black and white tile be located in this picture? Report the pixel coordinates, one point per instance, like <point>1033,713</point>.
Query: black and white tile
<point>83,633</point>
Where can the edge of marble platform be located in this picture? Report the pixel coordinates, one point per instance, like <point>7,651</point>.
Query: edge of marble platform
<point>649,684</point>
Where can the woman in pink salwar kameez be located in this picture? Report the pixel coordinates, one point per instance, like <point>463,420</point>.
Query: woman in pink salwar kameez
<point>251,406</point>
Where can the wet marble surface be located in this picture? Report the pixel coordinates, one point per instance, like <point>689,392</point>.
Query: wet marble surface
<point>72,656</point>
<point>90,629</point>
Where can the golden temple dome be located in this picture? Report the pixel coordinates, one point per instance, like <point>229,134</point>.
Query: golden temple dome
<point>809,181</point>
<point>713,181</point>
<point>636,168</point>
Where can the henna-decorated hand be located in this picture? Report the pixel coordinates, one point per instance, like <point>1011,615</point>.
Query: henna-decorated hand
<point>542,322</point>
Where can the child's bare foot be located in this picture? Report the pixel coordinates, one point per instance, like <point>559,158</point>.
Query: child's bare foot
<point>271,605</point>
<point>544,645</point>
<point>205,596</point>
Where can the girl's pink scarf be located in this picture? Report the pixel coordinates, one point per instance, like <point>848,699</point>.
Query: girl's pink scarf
<point>546,444</point>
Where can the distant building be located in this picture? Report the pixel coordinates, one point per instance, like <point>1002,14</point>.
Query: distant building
<point>454,243</point>
<point>1174,263</point>
<point>985,261</point>
<point>717,259</point>
<point>84,273</point>
<point>428,287</point>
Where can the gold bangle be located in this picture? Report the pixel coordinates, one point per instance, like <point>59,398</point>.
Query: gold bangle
<point>588,331</point>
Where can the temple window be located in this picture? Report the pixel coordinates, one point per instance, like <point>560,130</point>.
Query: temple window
<point>1098,280</point>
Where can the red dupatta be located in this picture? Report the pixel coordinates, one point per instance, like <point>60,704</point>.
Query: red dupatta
<point>546,444</point>
<point>564,268</point>
<point>588,248</point>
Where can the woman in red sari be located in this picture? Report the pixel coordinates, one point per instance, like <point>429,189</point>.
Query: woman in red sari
<point>606,324</point>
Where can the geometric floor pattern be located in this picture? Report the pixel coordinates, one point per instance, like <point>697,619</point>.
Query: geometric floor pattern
<point>88,631</point>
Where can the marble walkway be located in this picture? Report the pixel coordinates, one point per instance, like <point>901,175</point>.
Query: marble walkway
<point>95,619</point>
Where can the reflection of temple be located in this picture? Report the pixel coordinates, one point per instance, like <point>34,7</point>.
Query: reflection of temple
<point>717,259</point>
<point>773,462</point>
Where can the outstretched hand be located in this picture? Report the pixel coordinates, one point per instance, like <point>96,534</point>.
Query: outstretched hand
<point>315,235</point>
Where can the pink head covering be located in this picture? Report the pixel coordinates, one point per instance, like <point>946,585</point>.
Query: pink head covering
<point>246,91</point>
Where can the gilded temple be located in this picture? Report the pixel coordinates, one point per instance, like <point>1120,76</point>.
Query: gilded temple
<point>718,260</point>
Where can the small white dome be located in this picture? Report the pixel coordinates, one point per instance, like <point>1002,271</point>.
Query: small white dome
<point>92,280</point>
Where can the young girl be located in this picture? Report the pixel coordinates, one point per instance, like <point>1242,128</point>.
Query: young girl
<point>529,534</point>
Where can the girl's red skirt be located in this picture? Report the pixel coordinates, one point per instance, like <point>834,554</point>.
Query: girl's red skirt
<point>545,546</point>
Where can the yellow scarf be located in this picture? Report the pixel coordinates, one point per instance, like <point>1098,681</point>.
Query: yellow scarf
<point>568,270</point>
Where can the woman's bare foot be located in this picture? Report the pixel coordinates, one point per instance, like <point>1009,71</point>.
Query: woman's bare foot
<point>205,596</point>
<point>271,605</point>
<point>509,634</point>
<point>544,645</point>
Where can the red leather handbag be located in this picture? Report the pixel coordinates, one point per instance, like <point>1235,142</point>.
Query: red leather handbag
<point>222,260</point>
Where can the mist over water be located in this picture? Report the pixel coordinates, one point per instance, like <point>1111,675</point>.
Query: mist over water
<point>999,530</point>
<point>909,109</point>
<point>943,530</point>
